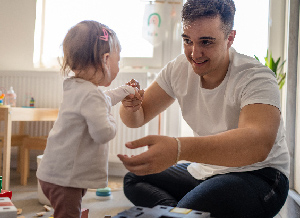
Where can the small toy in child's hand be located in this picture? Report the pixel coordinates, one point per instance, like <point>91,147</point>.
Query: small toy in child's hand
<point>134,83</point>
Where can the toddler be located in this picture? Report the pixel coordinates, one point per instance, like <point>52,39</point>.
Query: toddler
<point>76,155</point>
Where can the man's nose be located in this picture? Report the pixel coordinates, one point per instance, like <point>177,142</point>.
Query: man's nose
<point>197,52</point>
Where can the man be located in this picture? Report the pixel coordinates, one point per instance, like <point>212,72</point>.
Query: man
<point>240,161</point>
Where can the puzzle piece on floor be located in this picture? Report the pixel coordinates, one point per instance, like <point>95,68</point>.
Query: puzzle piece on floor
<point>7,208</point>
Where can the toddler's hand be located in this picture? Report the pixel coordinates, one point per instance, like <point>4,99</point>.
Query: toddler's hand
<point>134,102</point>
<point>134,83</point>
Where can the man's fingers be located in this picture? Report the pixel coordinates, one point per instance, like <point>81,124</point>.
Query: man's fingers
<point>136,164</point>
<point>142,142</point>
<point>141,92</point>
<point>133,161</point>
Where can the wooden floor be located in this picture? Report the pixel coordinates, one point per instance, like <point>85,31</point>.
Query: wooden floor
<point>26,198</point>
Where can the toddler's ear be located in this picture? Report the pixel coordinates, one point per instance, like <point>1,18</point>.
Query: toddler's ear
<point>105,58</point>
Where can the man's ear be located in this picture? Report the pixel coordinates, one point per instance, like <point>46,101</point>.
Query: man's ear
<point>231,38</point>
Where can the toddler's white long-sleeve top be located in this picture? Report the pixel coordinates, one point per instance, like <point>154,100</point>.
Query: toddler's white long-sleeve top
<point>76,154</point>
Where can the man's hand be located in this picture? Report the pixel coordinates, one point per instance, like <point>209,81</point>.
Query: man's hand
<point>161,154</point>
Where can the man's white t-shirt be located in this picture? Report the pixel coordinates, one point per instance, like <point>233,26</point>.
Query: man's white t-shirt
<point>212,111</point>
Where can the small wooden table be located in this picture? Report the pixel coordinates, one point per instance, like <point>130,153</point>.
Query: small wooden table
<point>9,114</point>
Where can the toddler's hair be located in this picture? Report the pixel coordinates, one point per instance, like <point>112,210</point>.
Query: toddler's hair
<point>83,46</point>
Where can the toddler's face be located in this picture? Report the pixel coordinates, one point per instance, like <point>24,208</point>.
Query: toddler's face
<point>113,65</point>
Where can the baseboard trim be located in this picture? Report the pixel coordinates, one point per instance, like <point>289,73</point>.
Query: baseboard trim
<point>116,169</point>
<point>295,196</point>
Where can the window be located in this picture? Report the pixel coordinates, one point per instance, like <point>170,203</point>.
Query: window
<point>252,27</point>
<point>126,18</point>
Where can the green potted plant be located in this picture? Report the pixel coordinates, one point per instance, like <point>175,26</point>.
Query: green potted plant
<point>276,67</point>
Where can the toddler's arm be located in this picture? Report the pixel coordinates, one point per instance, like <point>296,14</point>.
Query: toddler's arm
<point>118,94</point>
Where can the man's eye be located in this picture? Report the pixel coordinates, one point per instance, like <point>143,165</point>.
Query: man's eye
<point>206,42</point>
<point>187,41</point>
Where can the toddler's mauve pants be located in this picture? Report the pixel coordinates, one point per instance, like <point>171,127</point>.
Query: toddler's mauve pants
<point>66,201</point>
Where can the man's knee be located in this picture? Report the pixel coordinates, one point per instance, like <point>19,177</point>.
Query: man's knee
<point>129,179</point>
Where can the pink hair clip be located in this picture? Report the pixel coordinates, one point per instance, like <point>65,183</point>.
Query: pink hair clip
<point>105,35</point>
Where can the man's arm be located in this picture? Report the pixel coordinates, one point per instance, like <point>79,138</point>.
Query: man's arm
<point>251,142</point>
<point>155,100</point>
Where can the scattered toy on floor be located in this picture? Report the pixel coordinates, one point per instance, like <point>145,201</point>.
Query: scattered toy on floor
<point>161,211</point>
<point>7,208</point>
<point>39,214</point>
<point>19,211</point>
<point>103,193</point>
<point>47,208</point>
<point>84,213</point>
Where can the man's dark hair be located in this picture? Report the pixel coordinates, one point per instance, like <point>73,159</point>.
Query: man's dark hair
<point>196,9</point>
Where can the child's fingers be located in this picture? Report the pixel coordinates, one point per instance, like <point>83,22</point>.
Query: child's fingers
<point>134,83</point>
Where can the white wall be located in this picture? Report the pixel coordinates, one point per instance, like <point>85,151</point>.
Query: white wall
<point>17,20</point>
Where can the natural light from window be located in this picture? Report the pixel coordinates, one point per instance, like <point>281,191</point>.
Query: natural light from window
<point>124,17</point>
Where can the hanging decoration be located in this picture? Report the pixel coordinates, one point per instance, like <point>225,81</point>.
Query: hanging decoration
<point>153,23</point>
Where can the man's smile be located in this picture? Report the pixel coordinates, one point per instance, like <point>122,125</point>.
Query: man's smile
<point>199,62</point>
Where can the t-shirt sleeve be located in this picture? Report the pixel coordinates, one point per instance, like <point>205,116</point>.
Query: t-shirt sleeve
<point>262,88</point>
<point>164,79</point>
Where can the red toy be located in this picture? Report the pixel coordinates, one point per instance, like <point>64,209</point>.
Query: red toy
<point>5,193</point>
<point>84,213</point>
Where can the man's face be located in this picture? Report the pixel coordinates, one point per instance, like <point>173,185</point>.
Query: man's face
<point>206,47</point>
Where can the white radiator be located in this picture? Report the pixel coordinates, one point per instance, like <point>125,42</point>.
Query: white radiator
<point>46,88</point>
<point>125,134</point>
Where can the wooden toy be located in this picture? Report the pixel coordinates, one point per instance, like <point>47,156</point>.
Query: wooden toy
<point>47,208</point>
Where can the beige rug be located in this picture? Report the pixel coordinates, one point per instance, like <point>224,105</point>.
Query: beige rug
<point>114,186</point>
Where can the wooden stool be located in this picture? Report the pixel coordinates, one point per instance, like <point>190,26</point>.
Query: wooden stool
<point>30,143</point>
<point>16,140</point>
